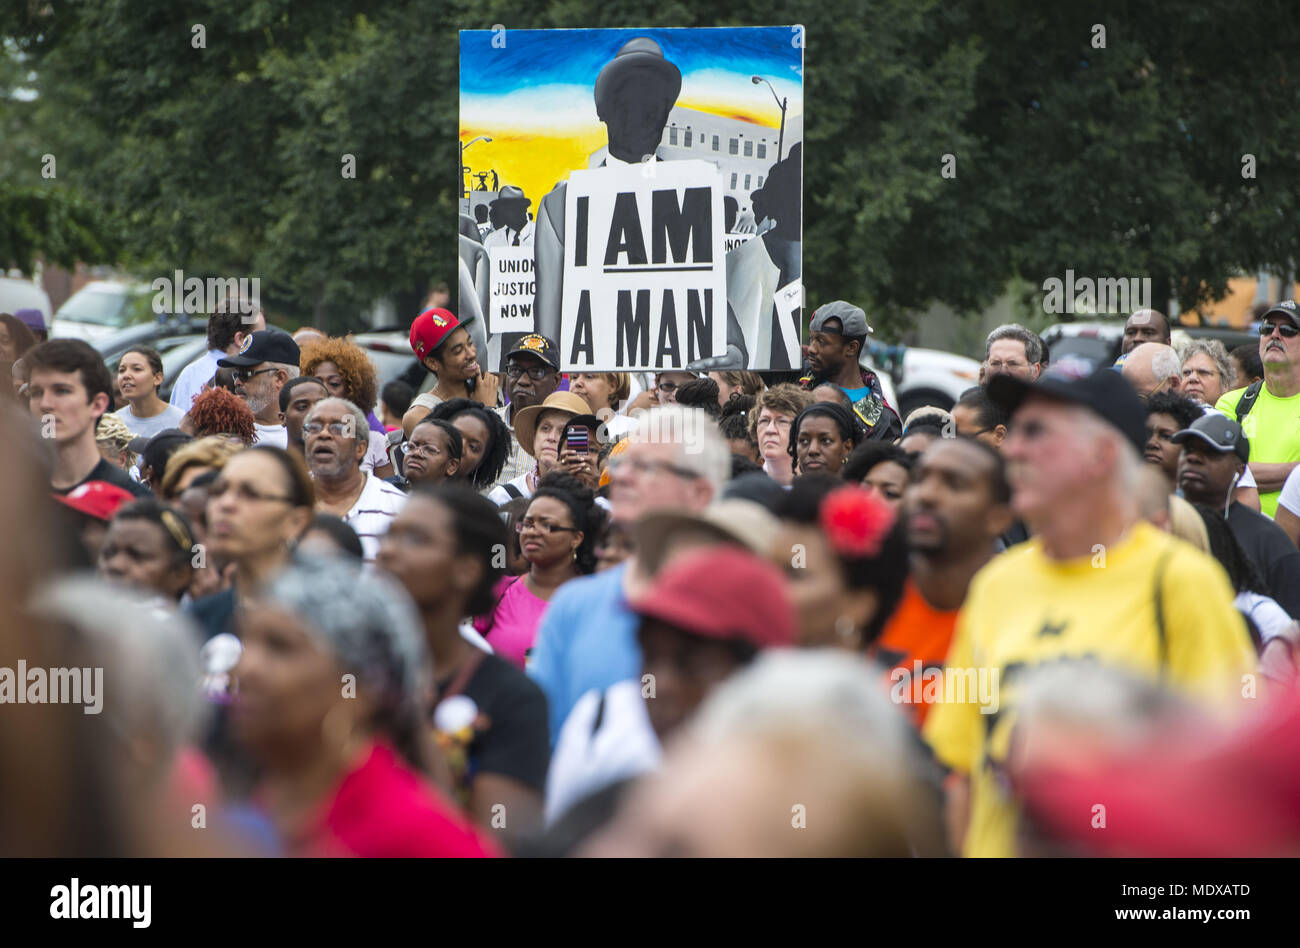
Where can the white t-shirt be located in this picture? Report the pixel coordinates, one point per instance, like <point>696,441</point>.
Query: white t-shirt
<point>276,435</point>
<point>374,510</point>
<point>500,496</point>
<point>193,377</point>
<point>1270,618</point>
<point>625,745</point>
<point>1290,494</point>
<point>169,417</point>
<point>376,452</point>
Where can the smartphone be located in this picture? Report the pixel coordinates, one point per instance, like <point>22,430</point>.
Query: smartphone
<point>577,438</point>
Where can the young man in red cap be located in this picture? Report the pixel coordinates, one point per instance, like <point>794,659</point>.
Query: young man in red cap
<point>445,348</point>
<point>707,614</point>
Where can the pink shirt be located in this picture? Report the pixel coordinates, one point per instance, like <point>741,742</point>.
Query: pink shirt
<point>512,627</point>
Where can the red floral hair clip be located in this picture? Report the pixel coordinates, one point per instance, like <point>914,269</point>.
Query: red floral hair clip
<point>855,521</point>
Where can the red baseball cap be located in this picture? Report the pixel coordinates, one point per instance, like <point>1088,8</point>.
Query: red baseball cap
<point>429,330</point>
<point>98,499</point>
<point>722,592</point>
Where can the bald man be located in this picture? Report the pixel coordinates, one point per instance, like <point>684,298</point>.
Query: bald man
<point>1153,367</point>
<point>1146,325</point>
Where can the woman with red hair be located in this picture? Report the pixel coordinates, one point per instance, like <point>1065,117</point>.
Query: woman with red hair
<point>219,412</point>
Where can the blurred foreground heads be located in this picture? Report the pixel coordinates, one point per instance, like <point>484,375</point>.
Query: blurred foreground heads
<point>801,754</point>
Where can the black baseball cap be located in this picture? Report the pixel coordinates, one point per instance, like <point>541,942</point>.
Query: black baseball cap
<point>1105,393</point>
<point>265,345</point>
<point>1220,432</point>
<point>538,345</point>
<point>1287,308</point>
<point>155,451</point>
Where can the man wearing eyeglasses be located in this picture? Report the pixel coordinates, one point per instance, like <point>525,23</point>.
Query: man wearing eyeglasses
<point>1269,411</point>
<point>336,436</point>
<point>532,373</point>
<point>265,361</point>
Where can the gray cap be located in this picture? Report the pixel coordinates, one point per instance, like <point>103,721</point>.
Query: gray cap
<point>1220,432</point>
<point>852,320</point>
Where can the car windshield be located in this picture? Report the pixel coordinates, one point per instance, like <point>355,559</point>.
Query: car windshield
<point>105,307</point>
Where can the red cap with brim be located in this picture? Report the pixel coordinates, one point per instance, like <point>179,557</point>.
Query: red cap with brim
<point>722,592</point>
<point>98,499</point>
<point>429,330</point>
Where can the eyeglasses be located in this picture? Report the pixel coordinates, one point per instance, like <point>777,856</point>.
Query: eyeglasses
<point>1286,329</point>
<point>1008,366</point>
<point>218,489</point>
<point>668,387</point>
<point>624,463</point>
<point>427,449</point>
<point>535,372</point>
<point>340,429</point>
<point>243,375</point>
<point>542,526</point>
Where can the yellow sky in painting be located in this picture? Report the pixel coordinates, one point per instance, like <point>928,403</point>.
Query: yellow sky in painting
<point>537,161</point>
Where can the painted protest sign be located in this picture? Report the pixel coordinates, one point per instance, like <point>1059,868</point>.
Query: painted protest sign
<point>541,110</point>
<point>510,298</point>
<point>641,246</point>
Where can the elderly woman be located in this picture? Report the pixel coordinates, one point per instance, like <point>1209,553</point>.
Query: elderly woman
<point>774,412</point>
<point>347,372</point>
<point>345,768</point>
<point>149,547</point>
<point>1207,371</point>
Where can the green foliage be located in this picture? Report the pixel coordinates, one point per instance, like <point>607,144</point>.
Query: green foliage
<point>1123,161</point>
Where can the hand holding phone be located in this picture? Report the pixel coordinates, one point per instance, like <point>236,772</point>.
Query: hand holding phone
<point>576,438</point>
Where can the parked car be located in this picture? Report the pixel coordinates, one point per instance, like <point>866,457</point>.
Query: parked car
<point>156,334</point>
<point>101,308</point>
<point>923,376</point>
<point>1094,341</point>
<point>16,294</point>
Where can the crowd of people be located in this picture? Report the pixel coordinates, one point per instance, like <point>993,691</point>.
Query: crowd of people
<point>522,612</point>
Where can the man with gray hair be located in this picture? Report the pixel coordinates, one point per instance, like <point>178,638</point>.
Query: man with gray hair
<point>335,440</point>
<point>1152,367</point>
<point>1094,580</point>
<point>675,460</point>
<point>1013,350</point>
<point>265,361</point>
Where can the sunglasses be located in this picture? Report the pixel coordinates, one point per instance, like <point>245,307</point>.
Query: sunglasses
<point>243,375</point>
<point>1286,329</point>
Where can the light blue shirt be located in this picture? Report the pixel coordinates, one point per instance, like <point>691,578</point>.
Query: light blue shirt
<point>587,641</point>
<point>193,377</point>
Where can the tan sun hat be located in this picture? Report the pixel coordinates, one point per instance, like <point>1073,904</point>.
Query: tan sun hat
<point>573,405</point>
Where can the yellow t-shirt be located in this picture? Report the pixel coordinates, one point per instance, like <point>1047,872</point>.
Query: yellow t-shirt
<point>1025,610</point>
<point>1273,427</point>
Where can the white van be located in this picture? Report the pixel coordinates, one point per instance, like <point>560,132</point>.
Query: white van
<point>16,294</point>
<point>101,308</point>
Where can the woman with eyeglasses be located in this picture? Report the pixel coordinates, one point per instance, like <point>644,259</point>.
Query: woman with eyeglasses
<point>433,453</point>
<point>149,547</point>
<point>139,375</point>
<point>258,507</point>
<point>557,536</point>
<point>770,420</point>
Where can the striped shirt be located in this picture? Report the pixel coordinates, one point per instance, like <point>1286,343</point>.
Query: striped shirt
<point>518,462</point>
<point>374,510</point>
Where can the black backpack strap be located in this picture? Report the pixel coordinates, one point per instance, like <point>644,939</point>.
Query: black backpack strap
<point>514,492</point>
<point>1162,635</point>
<point>1247,401</point>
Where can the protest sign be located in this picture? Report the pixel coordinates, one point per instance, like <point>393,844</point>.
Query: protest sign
<point>510,300</point>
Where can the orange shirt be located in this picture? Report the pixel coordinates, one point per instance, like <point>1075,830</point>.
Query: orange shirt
<point>916,632</point>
